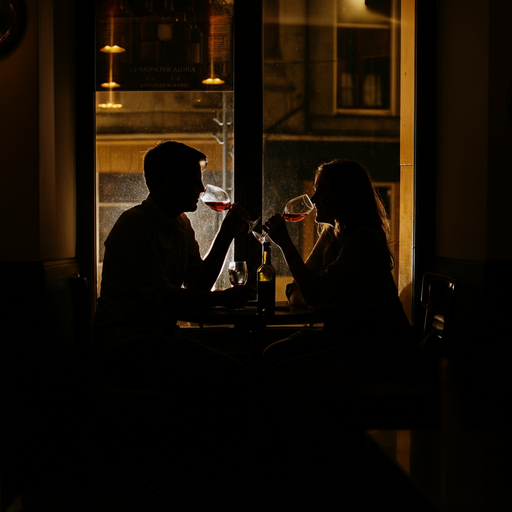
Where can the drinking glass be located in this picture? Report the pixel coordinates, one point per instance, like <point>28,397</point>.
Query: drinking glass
<point>218,200</point>
<point>295,210</point>
<point>298,208</point>
<point>238,273</point>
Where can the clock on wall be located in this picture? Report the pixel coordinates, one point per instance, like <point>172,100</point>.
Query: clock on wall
<point>13,17</point>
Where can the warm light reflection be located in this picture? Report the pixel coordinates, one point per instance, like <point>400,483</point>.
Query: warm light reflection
<point>112,49</point>
<point>110,85</point>
<point>213,81</point>
<point>110,105</point>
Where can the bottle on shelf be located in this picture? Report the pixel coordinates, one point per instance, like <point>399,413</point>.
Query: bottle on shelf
<point>196,39</point>
<point>220,20</point>
<point>148,33</point>
<point>167,33</point>
<point>266,283</point>
<point>201,10</point>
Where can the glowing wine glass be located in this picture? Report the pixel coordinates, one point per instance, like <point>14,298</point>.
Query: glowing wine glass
<point>295,210</point>
<point>238,273</point>
<point>218,200</point>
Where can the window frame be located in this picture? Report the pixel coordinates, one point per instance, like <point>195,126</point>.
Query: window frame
<point>248,104</point>
<point>394,72</point>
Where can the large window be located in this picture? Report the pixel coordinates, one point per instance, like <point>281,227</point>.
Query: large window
<point>312,51</point>
<point>367,56</point>
<point>164,72</point>
<point>330,90</point>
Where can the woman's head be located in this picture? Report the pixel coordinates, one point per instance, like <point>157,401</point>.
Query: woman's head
<point>346,198</point>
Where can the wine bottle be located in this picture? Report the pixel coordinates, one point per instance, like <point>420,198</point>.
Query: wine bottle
<point>148,34</point>
<point>196,39</point>
<point>166,33</point>
<point>219,39</point>
<point>266,283</point>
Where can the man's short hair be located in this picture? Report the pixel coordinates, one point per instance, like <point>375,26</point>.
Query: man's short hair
<point>169,158</point>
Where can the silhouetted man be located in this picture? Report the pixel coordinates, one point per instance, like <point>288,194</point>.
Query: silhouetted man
<point>152,267</point>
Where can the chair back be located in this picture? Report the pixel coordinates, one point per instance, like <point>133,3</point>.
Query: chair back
<point>82,329</point>
<point>437,296</point>
<point>82,326</point>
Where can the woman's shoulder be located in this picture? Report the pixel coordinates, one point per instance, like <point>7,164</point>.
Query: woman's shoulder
<point>367,234</point>
<point>365,241</point>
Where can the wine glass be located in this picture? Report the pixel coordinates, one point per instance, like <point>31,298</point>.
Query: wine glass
<point>218,200</point>
<point>298,208</point>
<point>295,210</point>
<point>238,273</point>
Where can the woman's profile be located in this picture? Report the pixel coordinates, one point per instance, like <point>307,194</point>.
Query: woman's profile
<point>349,273</point>
<point>366,337</point>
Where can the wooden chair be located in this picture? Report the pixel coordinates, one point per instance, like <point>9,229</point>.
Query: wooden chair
<point>119,416</point>
<point>102,387</point>
<point>414,402</point>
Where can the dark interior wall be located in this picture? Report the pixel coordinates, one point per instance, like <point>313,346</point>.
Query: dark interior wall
<point>37,249</point>
<point>19,142</point>
<point>473,215</point>
<point>464,465</point>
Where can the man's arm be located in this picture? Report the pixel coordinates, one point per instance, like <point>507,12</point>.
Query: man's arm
<point>134,244</point>
<point>232,225</point>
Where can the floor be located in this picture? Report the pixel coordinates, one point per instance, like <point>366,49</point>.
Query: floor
<point>104,478</point>
<point>115,485</point>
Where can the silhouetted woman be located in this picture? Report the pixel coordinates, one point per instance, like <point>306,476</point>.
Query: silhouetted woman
<point>349,273</point>
<point>312,375</point>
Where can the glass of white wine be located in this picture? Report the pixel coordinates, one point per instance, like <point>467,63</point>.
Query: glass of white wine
<point>238,273</point>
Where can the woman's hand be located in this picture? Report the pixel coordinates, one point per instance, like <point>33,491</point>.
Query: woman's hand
<point>277,231</point>
<point>296,299</point>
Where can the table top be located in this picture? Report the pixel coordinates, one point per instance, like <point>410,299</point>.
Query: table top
<point>284,315</point>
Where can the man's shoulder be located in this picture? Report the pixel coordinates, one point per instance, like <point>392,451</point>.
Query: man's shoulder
<point>184,221</point>
<point>133,220</point>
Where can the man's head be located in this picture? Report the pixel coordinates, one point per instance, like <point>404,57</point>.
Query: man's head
<point>173,173</point>
<point>172,159</point>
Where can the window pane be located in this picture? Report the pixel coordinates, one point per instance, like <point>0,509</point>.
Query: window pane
<point>364,67</point>
<point>159,87</point>
<point>331,83</point>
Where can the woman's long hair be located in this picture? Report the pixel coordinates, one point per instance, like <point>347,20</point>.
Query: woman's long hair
<point>359,202</point>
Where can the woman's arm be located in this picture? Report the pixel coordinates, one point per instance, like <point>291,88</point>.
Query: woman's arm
<point>315,262</point>
<point>278,232</point>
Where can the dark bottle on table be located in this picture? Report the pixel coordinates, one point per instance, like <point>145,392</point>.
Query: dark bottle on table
<point>266,283</point>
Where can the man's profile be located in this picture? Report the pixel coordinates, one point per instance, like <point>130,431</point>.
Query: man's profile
<point>152,267</point>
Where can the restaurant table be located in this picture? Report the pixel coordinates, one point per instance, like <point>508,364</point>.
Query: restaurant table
<point>249,321</point>
<point>285,314</point>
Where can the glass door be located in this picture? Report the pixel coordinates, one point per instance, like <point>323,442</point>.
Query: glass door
<point>164,71</point>
<point>331,89</point>
<point>315,80</point>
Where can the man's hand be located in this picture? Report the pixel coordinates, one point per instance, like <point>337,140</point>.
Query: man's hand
<point>235,221</point>
<point>235,297</point>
